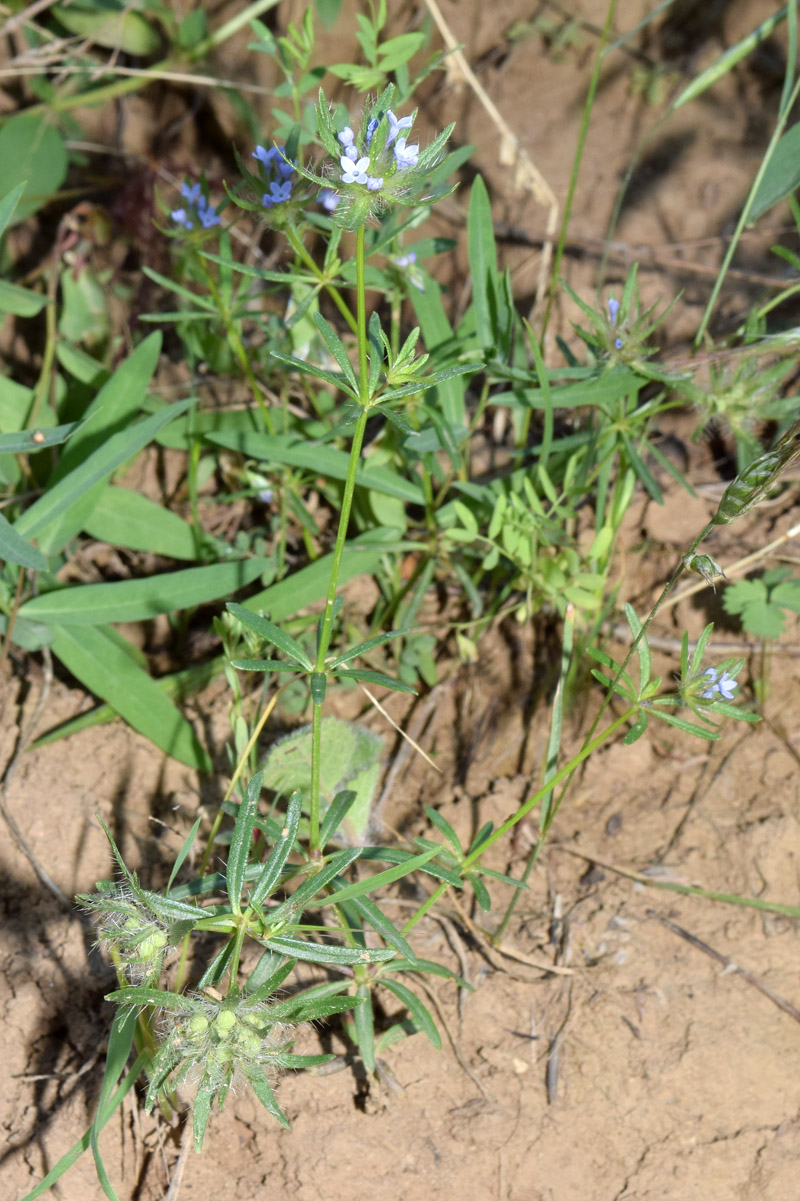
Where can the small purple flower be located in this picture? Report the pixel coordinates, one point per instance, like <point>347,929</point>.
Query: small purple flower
<point>354,172</point>
<point>371,127</point>
<point>406,263</point>
<point>374,183</point>
<point>613,311</point>
<point>197,209</point>
<point>278,193</point>
<point>277,175</point>
<point>181,217</point>
<point>265,495</point>
<point>329,200</point>
<point>403,123</point>
<point>405,156</point>
<point>346,136</point>
<point>725,685</point>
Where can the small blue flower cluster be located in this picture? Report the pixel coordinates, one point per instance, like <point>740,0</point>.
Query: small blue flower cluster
<point>725,685</point>
<point>197,209</point>
<point>613,313</point>
<point>356,170</point>
<point>278,175</point>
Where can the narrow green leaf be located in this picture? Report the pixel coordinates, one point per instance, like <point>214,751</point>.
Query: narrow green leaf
<point>242,840</point>
<point>262,1090</point>
<point>300,899</point>
<point>419,1012</point>
<point>315,952</point>
<point>373,883</point>
<point>274,865</point>
<point>138,995</point>
<point>272,634</point>
<point>337,349</point>
<point>364,1023</point>
<point>119,1046</point>
<point>97,661</point>
<point>336,812</point>
<point>374,677</point>
<point>21,302</point>
<point>28,442</point>
<point>364,648</point>
<point>482,261</point>
<point>376,918</point>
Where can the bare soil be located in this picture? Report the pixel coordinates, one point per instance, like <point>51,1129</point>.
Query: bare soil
<point>627,1043</point>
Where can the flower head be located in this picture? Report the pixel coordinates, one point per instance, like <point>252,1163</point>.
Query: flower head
<point>725,685</point>
<point>405,156</point>
<point>276,173</point>
<point>197,210</point>
<point>131,929</point>
<point>329,199</point>
<point>396,126</point>
<point>354,172</point>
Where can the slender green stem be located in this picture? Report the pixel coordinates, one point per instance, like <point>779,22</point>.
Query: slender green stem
<point>576,166</point>
<point>586,750</point>
<point>238,346</point>
<point>783,116</point>
<point>326,627</point>
<point>334,293</point>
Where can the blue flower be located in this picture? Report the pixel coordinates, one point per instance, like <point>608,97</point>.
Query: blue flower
<point>277,175</point>
<point>197,209</point>
<point>613,310</point>
<point>371,127</point>
<point>278,193</point>
<point>374,183</point>
<point>329,200</point>
<point>406,263</point>
<point>396,126</point>
<point>405,156</point>
<point>346,136</point>
<point>725,685</point>
<point>354,172</point>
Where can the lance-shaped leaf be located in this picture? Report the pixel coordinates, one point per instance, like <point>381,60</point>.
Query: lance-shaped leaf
<point>374,677</point>
<point>272,634</point>
<point>15,549</point>
<point>337,349</point>
<point>364,648</point>
<point>315,952</point>
<point>419,1012</point>
<point>294,905</point>
<point>280,852</point>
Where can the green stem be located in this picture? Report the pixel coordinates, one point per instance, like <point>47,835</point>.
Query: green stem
<point>238,346</point>
<point>576,166</point>
<point>334,293</point>
<point>586,750</point>
<point>326,627</point>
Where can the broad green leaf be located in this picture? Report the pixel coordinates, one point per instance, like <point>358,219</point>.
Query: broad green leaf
<point>139,600</point>
<point>34,155</point>
<point>8,204</point>
<point>242,841</point>
<point>97,661</point>
<point>110,25</point>
<point>60,513</point>
<point>16,550</point>
<point>22,302</point>
<point>350,762</point>
<point>122,517</point>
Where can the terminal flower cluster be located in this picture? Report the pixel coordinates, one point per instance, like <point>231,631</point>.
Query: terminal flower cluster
<point>276,174</point>
<point>376,164</point>
<point>719,686</point>
<point>197,211</point>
